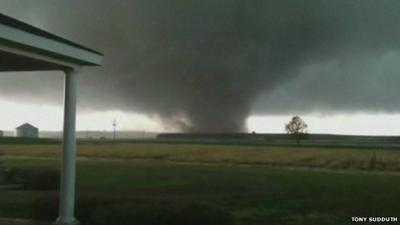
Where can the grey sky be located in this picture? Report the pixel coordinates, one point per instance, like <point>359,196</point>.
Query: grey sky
<point>206,65</point>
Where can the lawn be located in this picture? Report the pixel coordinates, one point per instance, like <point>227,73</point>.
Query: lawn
<point>242,180</point>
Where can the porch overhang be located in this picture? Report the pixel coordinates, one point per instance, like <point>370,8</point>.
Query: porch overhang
<point>27,48</point>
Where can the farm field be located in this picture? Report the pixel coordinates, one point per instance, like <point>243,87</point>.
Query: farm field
<point>274,156</point>
<point>254,185</point>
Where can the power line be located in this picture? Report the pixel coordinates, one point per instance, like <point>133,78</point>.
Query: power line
<point>114,131</point>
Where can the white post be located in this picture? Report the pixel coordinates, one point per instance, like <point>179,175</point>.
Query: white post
<point>67,187</point>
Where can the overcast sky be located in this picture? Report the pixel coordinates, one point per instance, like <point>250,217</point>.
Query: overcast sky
<point>206,65</point>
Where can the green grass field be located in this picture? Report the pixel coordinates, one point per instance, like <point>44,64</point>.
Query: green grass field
<point>258,185</point>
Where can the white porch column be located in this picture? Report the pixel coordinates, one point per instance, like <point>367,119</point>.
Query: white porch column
<point>67,187</point>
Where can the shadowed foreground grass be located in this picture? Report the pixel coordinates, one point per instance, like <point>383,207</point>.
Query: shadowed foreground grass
<point>253,194</point>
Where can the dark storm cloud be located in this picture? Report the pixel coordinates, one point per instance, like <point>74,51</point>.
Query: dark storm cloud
<point>203,65</point>
<point>363,84</point>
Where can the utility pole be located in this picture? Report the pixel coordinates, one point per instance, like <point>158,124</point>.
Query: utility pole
<point>114,131</point>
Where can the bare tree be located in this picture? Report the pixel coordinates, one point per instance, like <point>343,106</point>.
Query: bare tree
<point>297,127</point>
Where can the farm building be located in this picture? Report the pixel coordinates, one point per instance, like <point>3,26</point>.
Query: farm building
<point>27,130</point>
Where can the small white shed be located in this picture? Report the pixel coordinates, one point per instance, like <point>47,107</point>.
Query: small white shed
<point>27,130</point>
